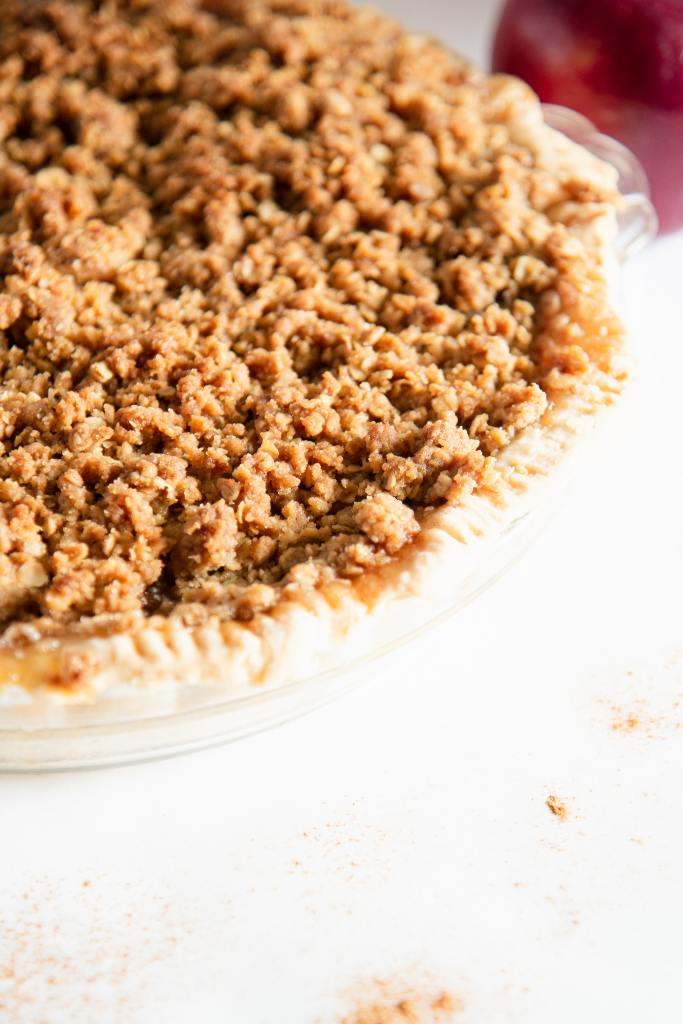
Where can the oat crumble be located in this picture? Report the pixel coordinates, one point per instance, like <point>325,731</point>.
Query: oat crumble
<point>275,282</point>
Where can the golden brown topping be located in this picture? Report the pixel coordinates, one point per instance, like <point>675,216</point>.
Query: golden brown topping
<point>275,281</point>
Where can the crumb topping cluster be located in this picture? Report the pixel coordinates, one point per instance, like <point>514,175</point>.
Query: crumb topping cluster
<point>274,283</point>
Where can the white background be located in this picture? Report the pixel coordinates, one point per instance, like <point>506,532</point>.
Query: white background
<point>402,833</point>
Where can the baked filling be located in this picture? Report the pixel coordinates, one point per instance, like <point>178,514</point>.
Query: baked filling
<point>277,281</point>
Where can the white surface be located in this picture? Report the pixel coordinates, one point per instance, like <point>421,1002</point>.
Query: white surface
<point>402,832</point>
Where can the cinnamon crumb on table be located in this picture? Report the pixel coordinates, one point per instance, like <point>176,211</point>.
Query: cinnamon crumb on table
<point>557,807</point>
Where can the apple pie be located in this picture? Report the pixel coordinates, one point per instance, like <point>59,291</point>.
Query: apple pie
<point>296,307</point>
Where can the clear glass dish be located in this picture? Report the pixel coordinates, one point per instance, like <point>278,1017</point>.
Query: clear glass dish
<point>160,723</point>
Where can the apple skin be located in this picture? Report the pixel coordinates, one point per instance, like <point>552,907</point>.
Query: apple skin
<point>619,62</point>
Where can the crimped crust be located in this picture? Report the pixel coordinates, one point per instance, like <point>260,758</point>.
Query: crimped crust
<point>380,543</point>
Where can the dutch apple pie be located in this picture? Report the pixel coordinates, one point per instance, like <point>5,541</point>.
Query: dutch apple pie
<point>294,305</point>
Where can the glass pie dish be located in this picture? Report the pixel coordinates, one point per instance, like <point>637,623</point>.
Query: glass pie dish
<point>161,721</point>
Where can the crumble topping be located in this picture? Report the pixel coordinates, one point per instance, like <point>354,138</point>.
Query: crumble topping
<point>275,282</point>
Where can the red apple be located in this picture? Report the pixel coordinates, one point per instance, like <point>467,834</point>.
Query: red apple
<point>619,62</point>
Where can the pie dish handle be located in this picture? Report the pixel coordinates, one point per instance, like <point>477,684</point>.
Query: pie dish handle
<point>637,220</point>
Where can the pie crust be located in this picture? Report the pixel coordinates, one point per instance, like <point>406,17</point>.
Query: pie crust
<point>310,628</point>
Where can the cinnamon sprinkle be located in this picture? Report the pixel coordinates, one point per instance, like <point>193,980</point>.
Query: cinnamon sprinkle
<point>92,964</point>
<point>413,1008</point>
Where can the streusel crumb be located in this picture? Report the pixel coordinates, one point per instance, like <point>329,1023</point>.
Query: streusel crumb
<point>275,282</point>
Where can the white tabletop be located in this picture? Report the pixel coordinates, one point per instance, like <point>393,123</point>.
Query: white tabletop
<point>401,834</point>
